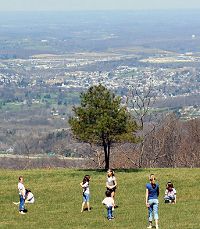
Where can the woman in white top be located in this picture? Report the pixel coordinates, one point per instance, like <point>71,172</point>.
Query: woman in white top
<point>111,183</point>
<point>86,192</point>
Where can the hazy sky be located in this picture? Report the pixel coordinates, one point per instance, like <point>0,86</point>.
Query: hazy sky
<point>64,5</point>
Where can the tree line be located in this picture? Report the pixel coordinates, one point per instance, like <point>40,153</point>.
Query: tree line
<point>110,131</point>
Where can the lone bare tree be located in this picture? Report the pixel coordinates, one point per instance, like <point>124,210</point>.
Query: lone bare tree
<point>140,101</point>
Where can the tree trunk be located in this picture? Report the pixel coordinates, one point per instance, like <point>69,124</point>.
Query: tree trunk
<point>106,153</point>
<point>140,164</point>
<point>106,147</point>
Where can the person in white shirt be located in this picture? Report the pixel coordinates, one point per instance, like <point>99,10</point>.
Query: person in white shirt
<point>22,193</point>
<point>109,202</point>
<point>170,193</point>
<point>111,183</point>
<point>86,192</point>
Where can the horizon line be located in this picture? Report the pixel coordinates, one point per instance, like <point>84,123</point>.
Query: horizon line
<point>102,10</point>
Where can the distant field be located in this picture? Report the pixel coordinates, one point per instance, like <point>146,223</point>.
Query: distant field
<point>58,199</point>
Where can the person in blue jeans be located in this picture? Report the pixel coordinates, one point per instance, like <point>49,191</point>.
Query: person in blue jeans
<point>86,192</point>
<point>152,193</point>
<point>109,202</point>
<point>21,189</point>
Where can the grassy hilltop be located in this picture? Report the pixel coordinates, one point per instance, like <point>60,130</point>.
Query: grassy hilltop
<point>58,199</point>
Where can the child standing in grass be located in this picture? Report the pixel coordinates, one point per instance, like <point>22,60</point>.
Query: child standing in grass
<point>86,192</point>
<point>152,193</point>
<point>111,183</point>
<point>109,202</point>
<point>22,193</point>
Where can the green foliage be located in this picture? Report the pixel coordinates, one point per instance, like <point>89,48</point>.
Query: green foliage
<point>58,198</point>
<point>101,118</point>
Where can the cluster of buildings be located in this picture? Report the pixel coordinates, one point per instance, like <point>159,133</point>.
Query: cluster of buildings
<point>74,71</point>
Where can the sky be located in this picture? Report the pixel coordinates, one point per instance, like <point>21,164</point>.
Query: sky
<point>73,5</point>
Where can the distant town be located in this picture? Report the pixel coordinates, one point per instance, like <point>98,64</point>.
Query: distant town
<point>77,71</point>
<point>47,60</point>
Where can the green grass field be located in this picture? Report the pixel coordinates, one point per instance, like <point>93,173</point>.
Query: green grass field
<point>58,199</point>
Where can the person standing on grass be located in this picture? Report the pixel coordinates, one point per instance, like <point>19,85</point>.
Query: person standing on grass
<point>111,183</point>
<point>86,192</point>
<point>109,202</point>
<point>152,193</point>
<point>22,195</point>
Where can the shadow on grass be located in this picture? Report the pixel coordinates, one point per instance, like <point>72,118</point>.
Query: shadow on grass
<point>86,209</point>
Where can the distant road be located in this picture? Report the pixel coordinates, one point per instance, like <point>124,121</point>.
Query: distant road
<point>38,156</point>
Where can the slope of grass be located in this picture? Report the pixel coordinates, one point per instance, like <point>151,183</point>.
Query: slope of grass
<point>58,199</point>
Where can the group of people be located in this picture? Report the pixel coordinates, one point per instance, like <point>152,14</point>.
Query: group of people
<point>152,193</point>
<point>111,185</point>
